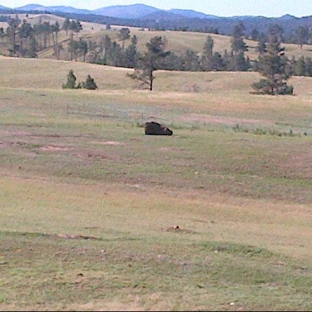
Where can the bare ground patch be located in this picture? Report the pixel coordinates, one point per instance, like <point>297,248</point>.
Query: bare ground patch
<point>115,143</point>
<point>172,149</point>
<point>52,148</point>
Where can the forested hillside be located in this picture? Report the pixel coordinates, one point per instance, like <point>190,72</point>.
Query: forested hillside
<point>56,37</point>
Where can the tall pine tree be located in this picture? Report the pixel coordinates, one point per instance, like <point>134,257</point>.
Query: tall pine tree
<point>71,81</point>
<point>272,65</point>
<point>149,62</point>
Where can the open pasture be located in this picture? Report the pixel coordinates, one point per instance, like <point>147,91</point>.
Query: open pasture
<point>94,215</point>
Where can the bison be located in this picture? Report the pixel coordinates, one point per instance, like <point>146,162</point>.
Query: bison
<point>154,128</point>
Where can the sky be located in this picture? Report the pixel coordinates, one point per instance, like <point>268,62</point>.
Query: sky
<point>223,8</point>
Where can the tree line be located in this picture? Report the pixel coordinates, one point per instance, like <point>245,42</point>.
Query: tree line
<point>25,40</point>
<point>113,53</point>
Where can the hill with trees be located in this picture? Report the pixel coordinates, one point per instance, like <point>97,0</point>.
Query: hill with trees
<point>52,36</point>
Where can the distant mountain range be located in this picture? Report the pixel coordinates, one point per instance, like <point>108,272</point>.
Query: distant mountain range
<point>144,16</point>
<point>135,11</point>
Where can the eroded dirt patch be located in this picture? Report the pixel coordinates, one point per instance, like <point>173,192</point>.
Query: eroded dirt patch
<point>55,148</point>
<point>115,143</point>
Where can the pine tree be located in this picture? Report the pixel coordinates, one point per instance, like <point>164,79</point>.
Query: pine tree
<point>300,67</point>
<point>131,53</point>
<point>208,46</point>
<point>206,60</point>
<point>32,50</point>
<point>272,65</point>
<point>90,83</point>
<point>308,65</point>
<point>261,47</point>
<point>237,42</point>
<point>302,33</point>
<point>2,33</point>
<point>149,62</point>
<point>11,32</point>
<point>123,35</point>
<point>191,61</point>
<point>71,81</point>
<point>66,25</point>
<point>239,47</point>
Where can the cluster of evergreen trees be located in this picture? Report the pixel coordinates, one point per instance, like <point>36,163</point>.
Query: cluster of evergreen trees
<point>112,53</point>
<point>89,84</point>
<point>25,40</point>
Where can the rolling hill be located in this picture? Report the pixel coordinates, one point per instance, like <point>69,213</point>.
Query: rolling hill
<point>177,41</point>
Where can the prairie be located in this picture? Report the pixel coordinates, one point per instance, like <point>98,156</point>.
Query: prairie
<point>94,215</point>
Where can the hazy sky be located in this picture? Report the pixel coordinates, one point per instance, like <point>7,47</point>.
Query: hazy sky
<point>268,8</point>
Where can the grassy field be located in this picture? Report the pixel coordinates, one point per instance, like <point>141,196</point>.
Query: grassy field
<point>94,215</point>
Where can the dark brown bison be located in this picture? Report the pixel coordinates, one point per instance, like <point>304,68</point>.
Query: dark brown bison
<point>154,128</point>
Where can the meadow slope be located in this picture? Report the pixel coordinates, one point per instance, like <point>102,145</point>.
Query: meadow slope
<point>94,215</point>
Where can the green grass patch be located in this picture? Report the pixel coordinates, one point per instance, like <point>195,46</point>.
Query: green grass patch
<point>55,272</point>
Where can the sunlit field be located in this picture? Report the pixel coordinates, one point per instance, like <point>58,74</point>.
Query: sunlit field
<point>94,215</point>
